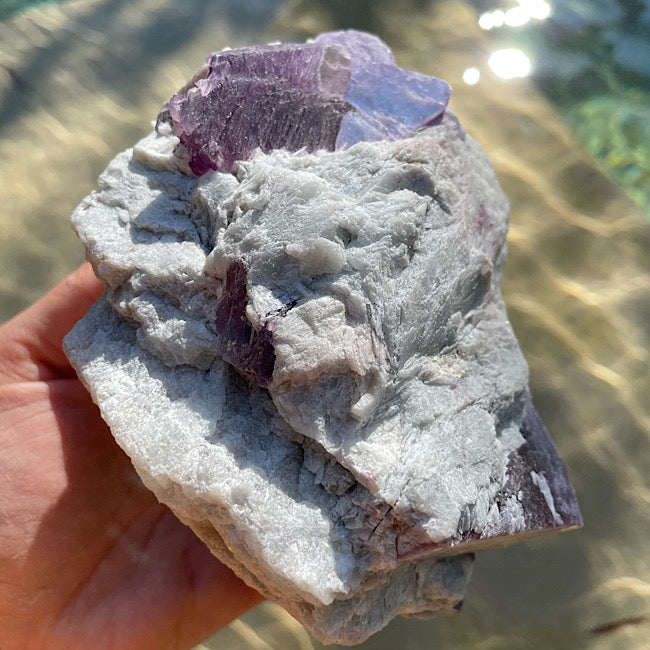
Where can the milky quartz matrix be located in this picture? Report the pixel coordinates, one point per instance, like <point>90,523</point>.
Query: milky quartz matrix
<point>303,346</point>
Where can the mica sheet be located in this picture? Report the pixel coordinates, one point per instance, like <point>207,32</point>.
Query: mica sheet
<point>577,283</point>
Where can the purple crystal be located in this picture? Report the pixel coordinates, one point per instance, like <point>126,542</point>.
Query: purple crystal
<point>389,102</point>
<point>270,97</point>
<point>329,94</point>
<point>366,48</point>
<point>248,350</point>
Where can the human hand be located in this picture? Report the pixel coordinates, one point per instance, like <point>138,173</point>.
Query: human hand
<point>88,557</point>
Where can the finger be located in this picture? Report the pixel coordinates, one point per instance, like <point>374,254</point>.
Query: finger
<point>30,343</point>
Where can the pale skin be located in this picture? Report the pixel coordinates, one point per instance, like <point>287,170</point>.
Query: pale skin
<point>88,557</point>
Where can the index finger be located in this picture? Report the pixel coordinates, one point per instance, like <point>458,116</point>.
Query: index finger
<point>31,342</point>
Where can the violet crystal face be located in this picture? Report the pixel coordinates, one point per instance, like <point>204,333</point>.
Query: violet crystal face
<point>303,346</point>
<point>343,88</point>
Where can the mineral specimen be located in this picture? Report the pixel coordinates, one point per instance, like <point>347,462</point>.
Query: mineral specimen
<point>303,346</point>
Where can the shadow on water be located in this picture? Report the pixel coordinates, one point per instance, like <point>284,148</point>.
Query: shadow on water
<point>167,29</point>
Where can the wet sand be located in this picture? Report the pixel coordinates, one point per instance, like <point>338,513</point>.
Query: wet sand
<point>79,82</point>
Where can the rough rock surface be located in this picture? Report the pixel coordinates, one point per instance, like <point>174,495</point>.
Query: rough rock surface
<point>309,360</point>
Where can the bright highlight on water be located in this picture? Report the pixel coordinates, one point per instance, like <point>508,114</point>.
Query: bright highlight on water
<point>510,63</point>
<point>521,14</point>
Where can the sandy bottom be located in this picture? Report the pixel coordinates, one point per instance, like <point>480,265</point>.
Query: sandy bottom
<point>79,82</point>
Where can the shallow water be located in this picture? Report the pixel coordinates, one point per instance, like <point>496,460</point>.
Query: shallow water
<point>79,82</point>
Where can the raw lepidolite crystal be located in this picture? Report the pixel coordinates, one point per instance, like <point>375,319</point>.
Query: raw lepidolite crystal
<point>303,346</point>
<point>343,88</point>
